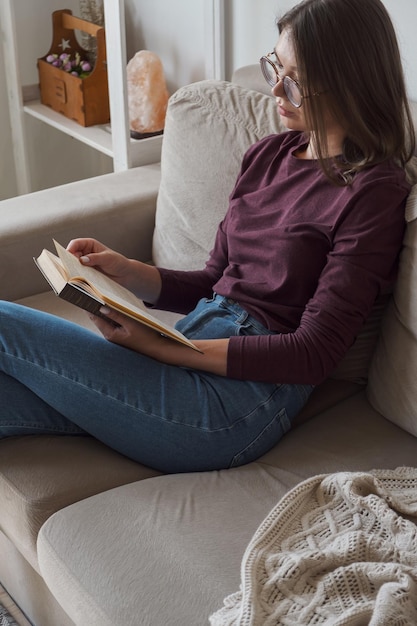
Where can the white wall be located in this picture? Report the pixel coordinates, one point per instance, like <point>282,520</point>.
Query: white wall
<point>404,16</point>
<point>251,30</point>
<point>176,31</point>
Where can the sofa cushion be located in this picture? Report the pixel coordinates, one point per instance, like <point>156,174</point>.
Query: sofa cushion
<point>187,533</point>
<point>40,475</point>
<point>350,436</point>
<point>392,388</point>
<point>208,128</point>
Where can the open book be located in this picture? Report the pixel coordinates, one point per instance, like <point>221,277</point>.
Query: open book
<point>90,289</point>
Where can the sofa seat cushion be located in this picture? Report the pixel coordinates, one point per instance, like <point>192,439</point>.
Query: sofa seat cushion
<point>40,475</point>
<point>351,436</point>
<point>187,533</point>
<point>156,552</point>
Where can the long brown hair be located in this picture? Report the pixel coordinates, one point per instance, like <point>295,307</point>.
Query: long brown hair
<point>348,49</point>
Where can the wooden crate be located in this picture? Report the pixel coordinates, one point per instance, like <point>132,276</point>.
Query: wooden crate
<point>84,100</point>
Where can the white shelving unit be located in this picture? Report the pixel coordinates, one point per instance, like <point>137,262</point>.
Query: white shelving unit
<point>114,140</point>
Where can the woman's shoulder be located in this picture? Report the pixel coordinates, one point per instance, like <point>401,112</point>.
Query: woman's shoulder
<point>385,173</point>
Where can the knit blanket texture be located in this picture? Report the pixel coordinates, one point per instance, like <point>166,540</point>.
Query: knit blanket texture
<point>338,549</point>
<point>5,618</point>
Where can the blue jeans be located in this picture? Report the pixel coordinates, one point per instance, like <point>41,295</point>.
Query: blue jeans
<point>57,378</point>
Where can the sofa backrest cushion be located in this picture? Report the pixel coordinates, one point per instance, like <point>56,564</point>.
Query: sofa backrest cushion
<point>208,128</point>
<point>392,387</point>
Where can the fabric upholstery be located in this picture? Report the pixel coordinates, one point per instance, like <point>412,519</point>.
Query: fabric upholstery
<point>392,388</point>
<point>40,475</point>
<point>187,533</point>
<point>33,597</point>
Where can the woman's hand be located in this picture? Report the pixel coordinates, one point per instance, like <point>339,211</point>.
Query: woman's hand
<point>95,254</point>
<point>125,331</point>
<point>144,280</point>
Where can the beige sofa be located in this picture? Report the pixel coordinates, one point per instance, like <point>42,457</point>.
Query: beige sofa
<point>89,537</point>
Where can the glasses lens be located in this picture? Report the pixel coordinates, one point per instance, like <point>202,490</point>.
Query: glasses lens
<point>293,92</point>
<point>268,71</point>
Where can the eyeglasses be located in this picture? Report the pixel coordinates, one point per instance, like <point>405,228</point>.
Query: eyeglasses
<point>273,76</point>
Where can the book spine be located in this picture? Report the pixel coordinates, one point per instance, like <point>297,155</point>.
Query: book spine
<point>83,300</point>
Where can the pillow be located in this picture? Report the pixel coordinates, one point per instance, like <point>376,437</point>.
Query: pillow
<point>392,387</point>
<point>209,126</point>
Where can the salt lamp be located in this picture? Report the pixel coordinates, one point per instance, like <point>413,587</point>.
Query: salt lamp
<point>147,94</point>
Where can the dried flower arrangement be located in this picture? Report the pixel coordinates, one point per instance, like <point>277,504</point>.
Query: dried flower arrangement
<point>75,66</point>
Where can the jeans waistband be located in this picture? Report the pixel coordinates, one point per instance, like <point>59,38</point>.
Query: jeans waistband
<point>241,314</point>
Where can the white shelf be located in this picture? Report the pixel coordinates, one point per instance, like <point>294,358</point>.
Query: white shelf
<point>99,137</point>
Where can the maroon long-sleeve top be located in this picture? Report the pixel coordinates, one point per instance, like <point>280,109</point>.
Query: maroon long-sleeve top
<point>303,256</point>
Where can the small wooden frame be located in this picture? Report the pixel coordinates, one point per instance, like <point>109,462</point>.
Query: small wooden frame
<point>84,100</point>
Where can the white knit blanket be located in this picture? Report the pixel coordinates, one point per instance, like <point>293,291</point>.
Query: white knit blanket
<point>338,549</point>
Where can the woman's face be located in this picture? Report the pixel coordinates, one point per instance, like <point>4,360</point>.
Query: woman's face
<point>295,118</point>
<point>286,63</point>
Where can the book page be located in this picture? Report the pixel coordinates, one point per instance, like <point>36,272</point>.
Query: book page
<point>113,294</point>
<point>104,285</point>
<point>52,269</point>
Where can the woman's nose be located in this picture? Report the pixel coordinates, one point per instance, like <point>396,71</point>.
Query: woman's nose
<point>277,89</point>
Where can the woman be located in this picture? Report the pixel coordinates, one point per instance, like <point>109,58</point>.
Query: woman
<point>311,237</point>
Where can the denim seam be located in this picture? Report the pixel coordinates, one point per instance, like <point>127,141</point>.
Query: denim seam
<point>278,416</point>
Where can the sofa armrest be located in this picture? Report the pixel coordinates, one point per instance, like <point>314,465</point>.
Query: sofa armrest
<point>117,209</point>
